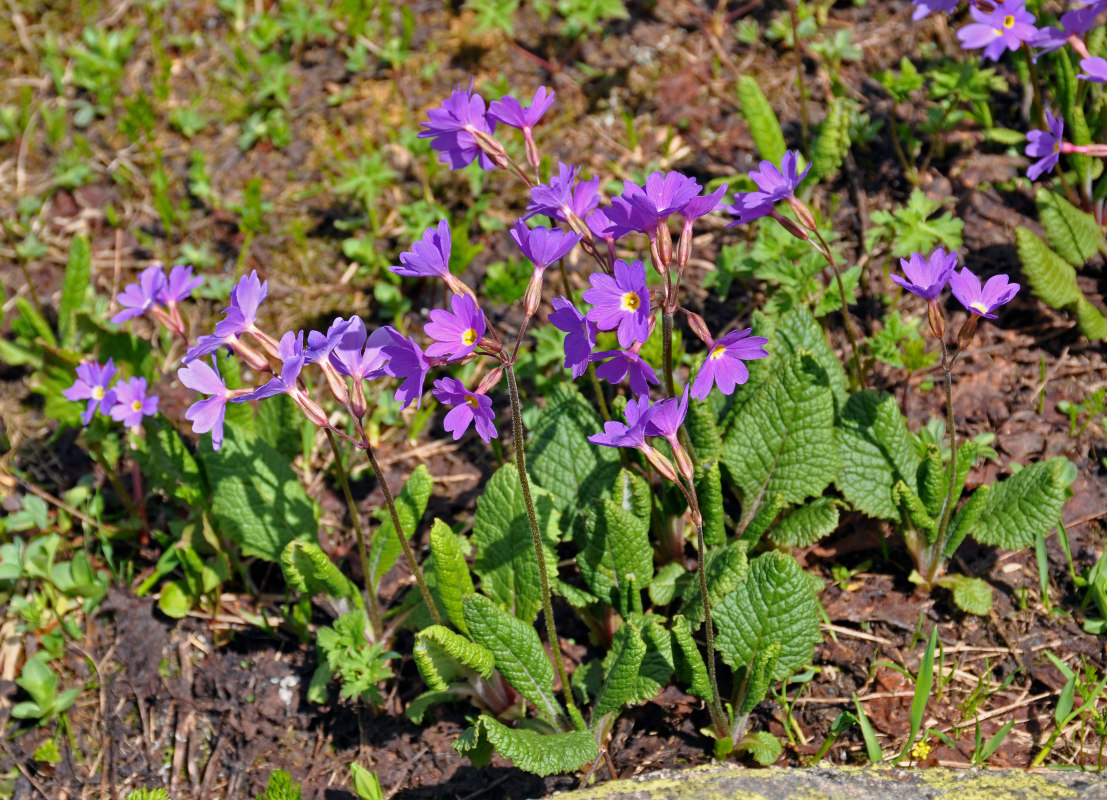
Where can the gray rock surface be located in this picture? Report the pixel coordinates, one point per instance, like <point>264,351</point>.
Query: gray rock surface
<point>731,782</point>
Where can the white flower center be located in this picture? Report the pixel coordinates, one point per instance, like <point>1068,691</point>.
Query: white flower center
<point>136,405</point>
<point>717,352</point>
<point>978,306</point>
<point>469,337</point>
<point>97,392</point>
<point>630,301</point>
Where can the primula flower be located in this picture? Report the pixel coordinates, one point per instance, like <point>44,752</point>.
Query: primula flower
<point>541,245</point>
<point>1095,70</point>
<point>511,112</point>
<point>92,385</point>
<point>621,302</point>
<point>207,414</point>
<point>292,354</point>
<point>179,286</point>
<point>1045,146</point>
<point>138,298</point>
<point>456,334</point>
<point>581,336</point>
<point>246,296</point>
<point>633,432</point>
<point>693,210</point>
<point>320,345</point>
<point>927,277</point>
<point>924,8</point>
<point>359,355</point>
<point>724,363</point>
<point>981,301</point>
<point>624,364</point>
<point>554,197</point>
<point>429,257</point>
<point>469,407</point>
<point>643,208</point>
<point>667,418</point>
<point>407,362</point>
<point>1004,28</point>
<point>774,185</point>
<point>451,127</point>
<point>132,403</point>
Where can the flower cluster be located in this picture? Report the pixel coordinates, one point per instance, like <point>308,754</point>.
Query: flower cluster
<point>127,401</point>
<point>159,294</point>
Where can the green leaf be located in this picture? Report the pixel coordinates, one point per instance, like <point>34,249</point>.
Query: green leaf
<point>724,568</point>
<point>452,573</point>
<point>257,500</point>
<point>690,667</point>
<point>764,126</point>
<point>621,667</point>
<point>1091,320</point>
<point>174,600</point>
<point>1073,234</point>
<point>972,595</point>
<point>775,603</point>
<point>1050,277</point>
<point>799,330</point>
<point>443,656</point>
<point>505,558</point>
<point>562,460</point>
<point>932,480</point>
<point>806,524</point>
<point>831,147</point>
<point>707,441</point>
<point>669,581</point>
<point>417,710</point>
<point>309,570</point>
<point>540,754</point>
<point>782,441</point>
<point>1023,506</point>
<point>760,674</point>
<point>518,653</point>
<point>916,512</point>
<point>74,287</point>
<point>965,519</point>
<point>411,503</point>
<point>167,464</point>
<point>616,561</point>
<point>764,517</point>
<point>709,489</point>
<point>657,664</point>
<point>877,452</point>
<point>762,746</point>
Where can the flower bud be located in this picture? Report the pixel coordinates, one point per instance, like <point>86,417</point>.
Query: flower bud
<point>312,410</point>
<point>358,406</point>
<point>803,213</point>
<point>533,295</point>
<point>937,319</point>
<point>659,462</point>
<point>490,381</point>
<point>665,243</point>
<point>336,382</point>
<point>791,226</point>
<point>684,249</point>
<point>490,345</point>
<point>683,461</point>
<point>967,333</point>
<point>699,327</point>
<point>655,256</point>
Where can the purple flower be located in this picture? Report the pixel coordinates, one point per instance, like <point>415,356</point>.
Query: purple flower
<point>406,361</point>
<point>451,127</point>
<point>668,415</point>
<point>563,193</point>
<point>541,245</point>
<point>621,302</point>
<point>358,355</point>
<point>456,334</point>
<point>320,346</point>
<point>624,364</point>
<point>1045,146</point>
<point>924,8</point>
<point>430,256</point>
<point>774,185</point>
<point>633,433</point>
<point>600,225</point>
<point>1095,70</point>
<point>92,385</point>
<point>1046,40</point>
<point>1004,28</point>
<point>246,296</point>
<point>701,206</point>
<point>644,208</point>
<point>581,336</point>
<point>132,403</point>
<point>469,407</point>
<point>1079,21</point>
<point>207,414</point>
<point>927,277</point>
<point>724,363</point>
<point>292,354</point>
<point>978,300</point>
<point>138,298</point>
<point>179,285</point>
<point>510,111</point>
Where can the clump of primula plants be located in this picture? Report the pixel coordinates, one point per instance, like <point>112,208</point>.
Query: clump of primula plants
<point>664,441</point>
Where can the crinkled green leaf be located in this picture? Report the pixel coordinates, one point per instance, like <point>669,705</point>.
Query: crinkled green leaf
<point>418,708</point>
<point>762,746</point>
<point>504,544</point>
<point>782,441</point>
<point>167,464</point>
<point>703,432</point>
<point>709,491</point>
<point>74,287</point>
<point>759,678</point>
<point>965,519</point>
<point>575,596</point>
<point>453,580</point>
<point>411,503</point>
<point>764,126</point>
<point>833,143</point>
<point>1023,506</point>
<point>669,581</point>
<point>1073,234</point>
<point>443,656</point>
<point>617,549</point>
<point>657,664</point>
<point>799,330</point>
<point>308,569</point>
<point>764,517</point>
<point>518,653</point>
<point>725,568</point>
<point>774,604</point>
<point>621,667</point>
<point>540,754</point>
<point>1091,320</point>
<point>804,525</point>
<point>916,512</point>
<point>933,480</point>
<point>689,664</point>
<point>972,595</point>
<point>877,451</point>
<point>561,459</point>
<point>257,500</point>
<point>1050,277</point>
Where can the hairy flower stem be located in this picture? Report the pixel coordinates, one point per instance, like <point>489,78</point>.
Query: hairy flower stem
<point>409,554</point>
<point>371,608</point>
<point>934,567</point>
<point>539,550</point>
<point>667,351</point>
<point>856,359</point>
<point>97,453</point>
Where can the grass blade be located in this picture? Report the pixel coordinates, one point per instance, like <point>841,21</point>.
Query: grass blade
<point>872,746</point>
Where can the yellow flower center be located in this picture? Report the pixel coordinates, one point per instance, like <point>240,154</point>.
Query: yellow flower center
<point>983,309</point>
<point>1008,21</point>
<point>136,405</point>
<point>630,301</point>
<point>97,392</point>
<point>469,337</point>
<point>471,399</point>
<point>718,351</point>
